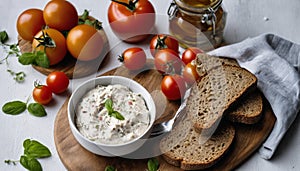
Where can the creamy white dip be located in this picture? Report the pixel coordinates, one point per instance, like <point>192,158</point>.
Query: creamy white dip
<point>94,122</point>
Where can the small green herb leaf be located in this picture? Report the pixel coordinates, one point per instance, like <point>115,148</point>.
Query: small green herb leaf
<point>117,115</point>
<point>111,111</point>
<point>27,58</point>
<point>14,107</point>
<point>36,109</point>
<point>19,76</point>
<point>10,162</point>
<point>153,164</point>
<point>36,58</point>
<point>3,36</point>
<point>42,60</point>
<point>108,105</point>
<point>31,164</point>
<point>110,168</point>
<point>35,149</point>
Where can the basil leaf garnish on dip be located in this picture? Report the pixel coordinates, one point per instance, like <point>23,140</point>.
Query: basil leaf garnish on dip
<point>111,111</point>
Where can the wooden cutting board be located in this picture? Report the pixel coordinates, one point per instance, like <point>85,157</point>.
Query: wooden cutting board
<point>75,157</point>
<point>69,65</point>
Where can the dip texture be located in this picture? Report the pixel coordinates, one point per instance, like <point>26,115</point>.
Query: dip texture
<point>94,122</point>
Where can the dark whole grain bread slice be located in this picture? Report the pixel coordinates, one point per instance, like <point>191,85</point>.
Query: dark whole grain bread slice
<point>184,148</point>
<point>215,92</point>
<point>248,109</point>
<point>205,62</point>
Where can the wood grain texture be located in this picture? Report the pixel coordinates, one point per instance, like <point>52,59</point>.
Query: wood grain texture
<point>248,138</point>
<point>69,65</point>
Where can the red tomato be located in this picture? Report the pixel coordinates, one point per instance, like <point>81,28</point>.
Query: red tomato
<point>57,81</point>
<point>190,54</point>
<point>131,20</point>
<point>173,87</point>
<point>29,23</point>
<point>159,42</point>
<point>84,42</point>
<point>60,15</point>
<point>168,61</point>
<point>133,58</point>
<point>42,94</point>
<point>55,45</point>
<point>190,74</point>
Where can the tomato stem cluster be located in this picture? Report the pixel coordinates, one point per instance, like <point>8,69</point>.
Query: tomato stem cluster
<point>131,4</point>
<point>161,43</point>
<point>45,40</point>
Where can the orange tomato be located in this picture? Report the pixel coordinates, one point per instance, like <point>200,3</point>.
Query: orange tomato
<point>54,45</point>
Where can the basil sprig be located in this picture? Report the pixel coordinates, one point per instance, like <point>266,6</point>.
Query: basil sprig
<point>33,150</point>
<point>111,111</point>
<point>153,164</point>
<point>38,58</point>
<point>17,107</point>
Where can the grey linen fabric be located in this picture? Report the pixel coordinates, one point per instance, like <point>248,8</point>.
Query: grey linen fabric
<point>276,63</point>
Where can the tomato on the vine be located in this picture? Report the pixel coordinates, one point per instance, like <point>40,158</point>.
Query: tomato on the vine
<point>159,42</point>
<point>52,42</point>
<point>60,15</point>
<point>190,54</point>
<point>29,23</point>
<point>190,73</point>
<point>133,58</point>
<point>167,61</point>
<point>42,94</point>
<point>84,42</point>
<point>173,87</point>
<point>57,81</point>
<point>131,20</point>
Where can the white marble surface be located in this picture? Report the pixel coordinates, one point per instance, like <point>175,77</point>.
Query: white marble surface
<point>245,19</point>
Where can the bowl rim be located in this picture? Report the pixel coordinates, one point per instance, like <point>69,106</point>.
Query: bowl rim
<point>152,112</point>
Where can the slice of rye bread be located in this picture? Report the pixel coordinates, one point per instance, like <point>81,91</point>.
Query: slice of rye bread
<point>205,62</point>
<point>183,146</point>
<point>215,92</point>
<point>248,110</point>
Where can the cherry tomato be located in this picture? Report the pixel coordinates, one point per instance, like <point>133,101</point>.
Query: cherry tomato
<point>84,42</point>
<point>131,20</point>
<point>42,94</point>
<point>133,58</point>
<point>29,23</point>
<point>53,43</point>
<point>57,81</point>
<point>60,15</point>
<point>190,74</point>
<point>173,87</point>
<point>190,54</point>
<point>159,42</point>
<point>167,61</point>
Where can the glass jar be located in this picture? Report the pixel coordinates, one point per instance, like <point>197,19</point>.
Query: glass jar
<point>197,23</point>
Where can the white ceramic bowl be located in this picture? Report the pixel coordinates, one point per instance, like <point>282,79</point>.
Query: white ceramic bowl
<point>113,149</point>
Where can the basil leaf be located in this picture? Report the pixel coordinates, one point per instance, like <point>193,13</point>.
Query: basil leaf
<point>26,143</point>
<point>42,60</point>
<point>3,36</point>
<point>36,109</point>
<point>153,164</point>
<point>27,58</point>
<point>110,168</point>
<point>31,164</point>
<point>108,105</point>
<point>117,115</point>
<point>14,107</point>
<point>35,149</point>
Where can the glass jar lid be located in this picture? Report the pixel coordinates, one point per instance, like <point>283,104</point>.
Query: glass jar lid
<point>198,6</point>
